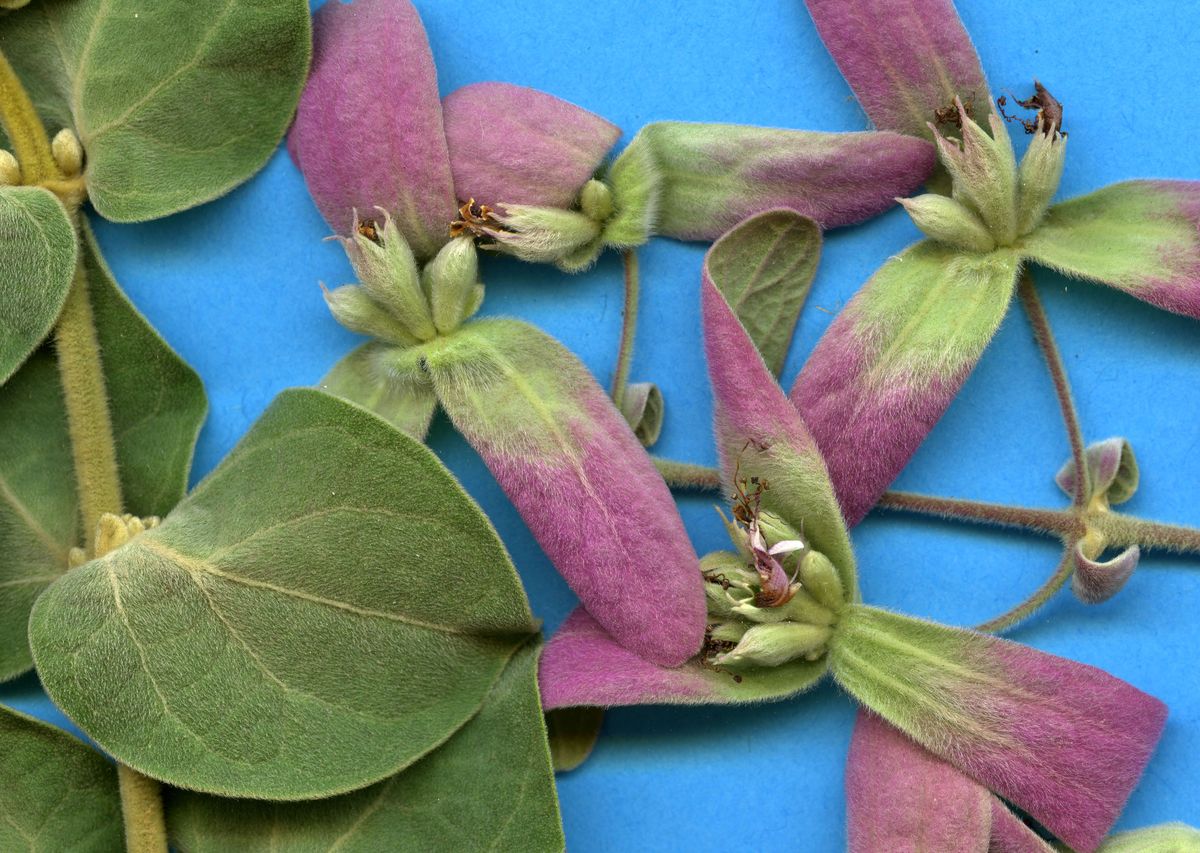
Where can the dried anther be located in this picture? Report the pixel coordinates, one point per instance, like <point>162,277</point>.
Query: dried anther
<point>369,228</point>
<point>950,114</point>
<point>1049,111</point>
<point>475,220</point>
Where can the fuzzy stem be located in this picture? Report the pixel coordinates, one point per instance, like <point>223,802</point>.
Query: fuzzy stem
<point>628,328</point>
<point>26,133</point>
<point>685,475</point>
<point>1123,530</point>
<point>86,398</point>
<point>1032,304</point>
<point>142,807</point>
<point>88,418</point>
<point>1053,522</point>
<point>1032,604</point>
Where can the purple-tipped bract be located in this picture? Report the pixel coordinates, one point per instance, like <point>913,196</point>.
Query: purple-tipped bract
<point>516,145</point>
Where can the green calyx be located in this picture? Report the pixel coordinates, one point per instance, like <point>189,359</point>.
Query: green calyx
<point>774,601</point>
<point>616,213</point>
<point>397,303</point>
<point>994,202</point>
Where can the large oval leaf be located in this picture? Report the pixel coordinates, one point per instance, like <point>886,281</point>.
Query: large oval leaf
<point>176,101</point>
<point>157,404</point>
<point>320,612</point>
<point>490,787</point>
<point>37,261</point>
<point>55,792</point>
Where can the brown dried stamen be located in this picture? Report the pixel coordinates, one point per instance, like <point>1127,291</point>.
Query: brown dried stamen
<point>1048,107</point>
<point>476,220</point>
<point>369,228</point>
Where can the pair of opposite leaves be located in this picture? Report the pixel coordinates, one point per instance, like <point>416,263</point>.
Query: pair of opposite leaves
<point>175,104</point>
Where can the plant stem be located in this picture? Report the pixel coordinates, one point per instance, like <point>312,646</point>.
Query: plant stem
<point>1054,522</point>
<point>1044,593</point>
<point>88,418</point>
<point>86,399</point>
<point>26,133</point>
<point>628,328</point>
<point>1062,386</point>
<point>685,475</point>
<point>1123,530</point>
<point>142,807</point>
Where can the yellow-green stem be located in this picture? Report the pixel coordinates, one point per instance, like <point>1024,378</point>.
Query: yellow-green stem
<point>142,806</point>
<point>88,417</point>
<point>26,133</point>
<point>86,398</point>
<point>628,328</point>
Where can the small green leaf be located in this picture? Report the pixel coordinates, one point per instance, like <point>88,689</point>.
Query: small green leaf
<point>573,733</point>
<point>764,268</point>
<point>55,792</point>
<point>407,404</point>
<point>644,410</point>
<point>176,102</point>
<point>37,261</point>
<point>324,609</point>
<point>157,405</point>
<point>490,787</point>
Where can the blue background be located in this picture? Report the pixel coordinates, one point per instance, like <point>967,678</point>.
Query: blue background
<point>233,287</point>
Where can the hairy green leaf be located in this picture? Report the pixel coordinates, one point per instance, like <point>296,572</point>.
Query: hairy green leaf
<point>176,102</point>
<point>764,268</point>
<point>573,733</point>
<point>324,609</point>
<point>37,261</point>
<point>490,787</point>
<point>55,792</point>
<point>157,404</point>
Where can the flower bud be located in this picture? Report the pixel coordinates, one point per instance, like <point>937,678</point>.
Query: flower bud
<point>67,152</point>
<point>776,644</point>
<point>803,607</point>
<point>984,171</point>
<point>728,632</point>
<point>728,569</point>
<point>567,238</point>
<point>354,308</point>
<point>947,221</point>
<point>10,169</point>
<point>1041,171</point>
<point>596,201</point>
<point>387,270</point>
<point>820,578</point>
<point>449,281</point>
<point>775,530</point>
<point>643,410</point>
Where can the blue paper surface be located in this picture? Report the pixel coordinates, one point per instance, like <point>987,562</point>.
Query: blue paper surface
<point>233,287</point>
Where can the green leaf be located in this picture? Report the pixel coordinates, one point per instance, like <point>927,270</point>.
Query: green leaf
<point>55,792</point>
<point>407,404</point>
<point>324,609</point>
<point>490,787</point>
<point>644,410</point>
<point>573,733</point>
<point>176,102</point>
<point>37,262</point>
<point>157,405</point>
<point>764,268</point>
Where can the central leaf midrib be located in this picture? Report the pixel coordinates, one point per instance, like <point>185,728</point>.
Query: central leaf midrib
<point>198,565</point>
